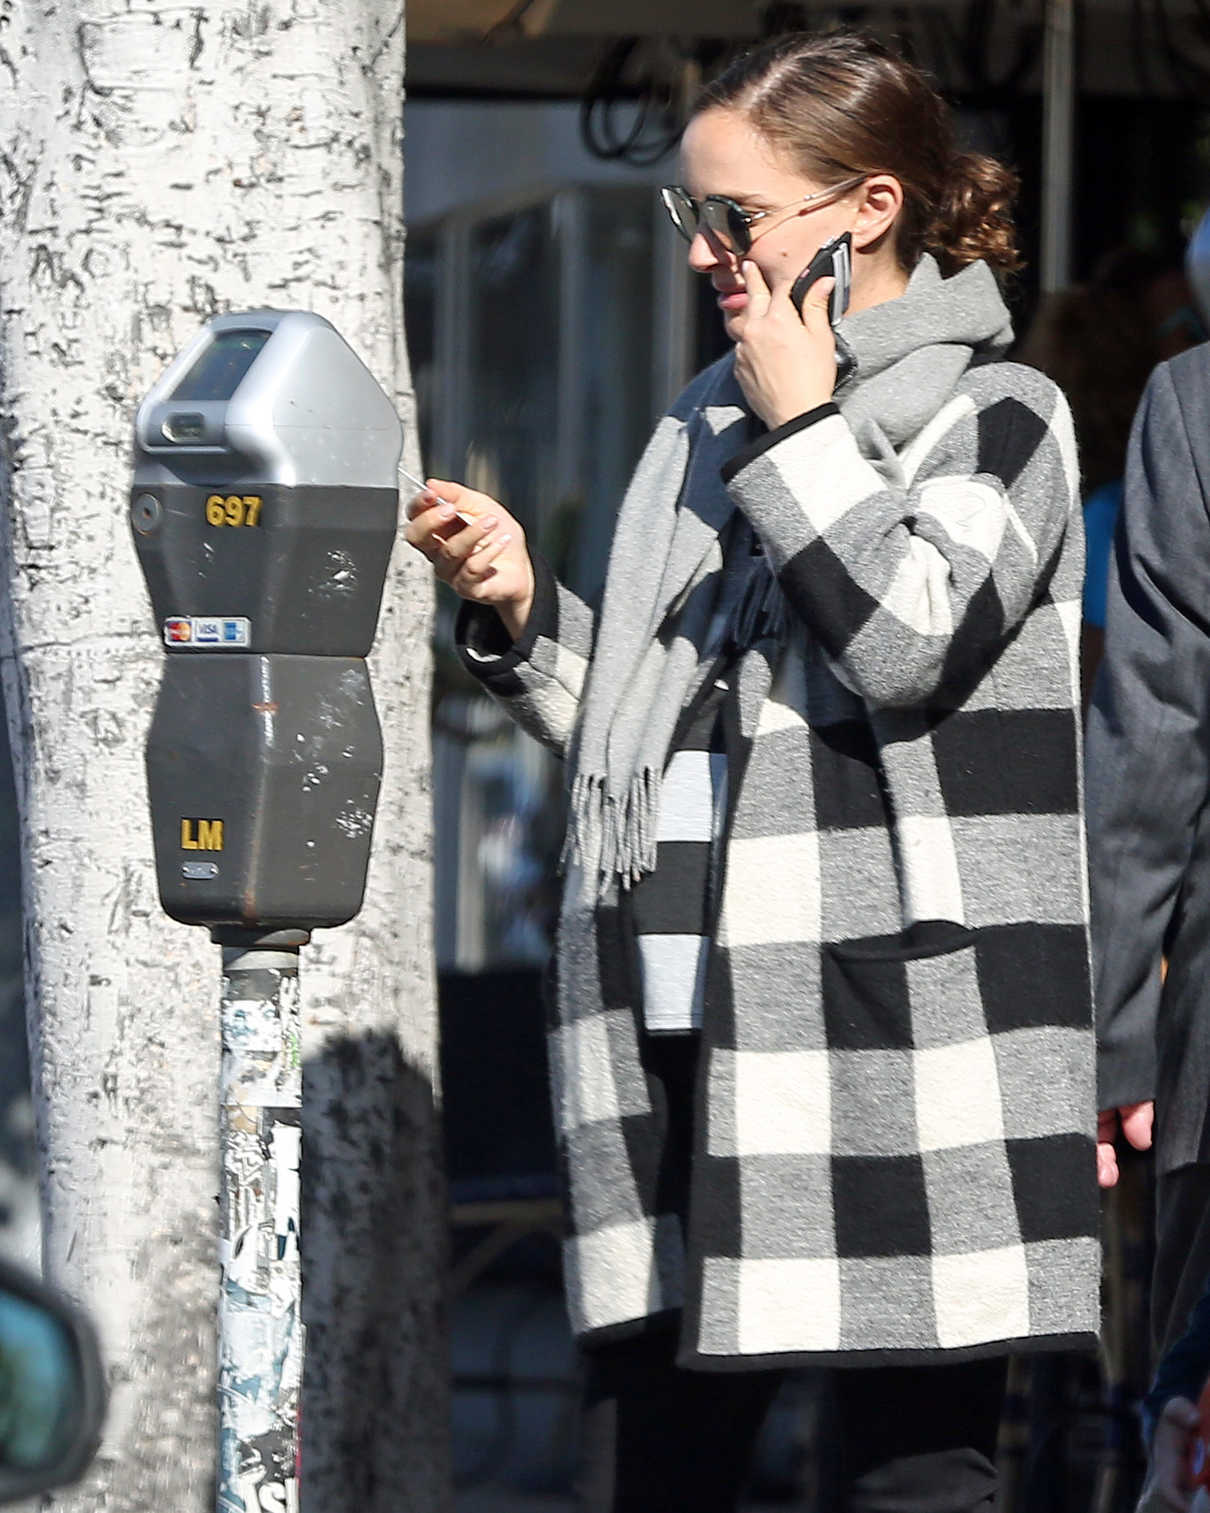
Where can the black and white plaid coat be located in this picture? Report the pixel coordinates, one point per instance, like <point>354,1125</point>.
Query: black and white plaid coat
<point>894,1154</point>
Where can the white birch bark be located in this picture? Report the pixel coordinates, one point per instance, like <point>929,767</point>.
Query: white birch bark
<point>161,162</point>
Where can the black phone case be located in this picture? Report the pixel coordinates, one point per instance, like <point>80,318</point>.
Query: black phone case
<point>833,260</point>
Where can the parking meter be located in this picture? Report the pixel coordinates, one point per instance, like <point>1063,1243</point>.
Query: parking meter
<point>264,507</point>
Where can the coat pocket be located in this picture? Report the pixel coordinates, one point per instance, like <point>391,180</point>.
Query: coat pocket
<point>925,938</point>
<point>897,992</point>
<point>911,1064</point>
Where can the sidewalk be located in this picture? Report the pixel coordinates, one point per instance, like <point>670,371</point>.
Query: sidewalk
<point>501,1500</point>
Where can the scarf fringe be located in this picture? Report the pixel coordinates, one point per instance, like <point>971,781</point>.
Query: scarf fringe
<point>616,836</point>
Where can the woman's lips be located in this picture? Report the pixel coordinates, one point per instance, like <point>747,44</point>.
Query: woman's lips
<point>732,299</point>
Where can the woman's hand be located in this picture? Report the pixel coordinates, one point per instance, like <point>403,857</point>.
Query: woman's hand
<point>1167,1488</point>
<point>485,560</point>
<point>785,366</point>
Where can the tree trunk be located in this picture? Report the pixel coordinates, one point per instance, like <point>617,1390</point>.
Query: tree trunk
<point>159,163</point>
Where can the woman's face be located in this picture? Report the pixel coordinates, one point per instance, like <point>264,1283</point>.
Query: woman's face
<point>722,153</point>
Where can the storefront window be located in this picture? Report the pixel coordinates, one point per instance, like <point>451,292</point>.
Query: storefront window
<point>532,335</point>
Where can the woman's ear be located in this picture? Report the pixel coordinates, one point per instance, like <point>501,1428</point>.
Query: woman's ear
<point>881,202</point>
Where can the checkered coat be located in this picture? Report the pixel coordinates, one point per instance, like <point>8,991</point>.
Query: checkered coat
<point>894,1157</point>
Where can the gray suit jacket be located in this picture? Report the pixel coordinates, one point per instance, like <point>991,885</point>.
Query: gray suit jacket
<point>1148,768</point>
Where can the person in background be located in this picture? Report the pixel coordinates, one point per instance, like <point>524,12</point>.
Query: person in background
<point>1171,1418</point>
<point>822,1049</point>
<point>1156,280</point>
<point>1099,342</point>
<point>1148,792</point>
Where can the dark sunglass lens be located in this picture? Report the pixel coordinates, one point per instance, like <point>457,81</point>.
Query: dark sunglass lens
<point>739,237</point>
<point>681,210</point>
<point>724,221</point>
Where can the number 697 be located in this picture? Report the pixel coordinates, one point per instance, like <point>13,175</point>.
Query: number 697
<point>233,509</point>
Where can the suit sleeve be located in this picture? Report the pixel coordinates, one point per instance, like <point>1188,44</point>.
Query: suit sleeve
<point>912,587</point>
<point>1147,735</point>
<point>1183,1370</point>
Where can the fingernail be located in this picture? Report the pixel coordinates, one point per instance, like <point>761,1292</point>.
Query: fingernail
<point>489,522</point>
<point>479,545</point>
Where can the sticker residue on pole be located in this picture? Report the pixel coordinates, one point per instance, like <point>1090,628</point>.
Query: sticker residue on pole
<point>260,1327</point>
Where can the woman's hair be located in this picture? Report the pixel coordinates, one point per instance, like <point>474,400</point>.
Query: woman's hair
<point>840,104</point>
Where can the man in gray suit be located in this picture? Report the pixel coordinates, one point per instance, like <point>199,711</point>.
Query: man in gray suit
<point>1148,767</point>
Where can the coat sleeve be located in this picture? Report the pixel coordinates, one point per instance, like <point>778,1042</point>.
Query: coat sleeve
<point>1183,1369</point>
<point>1147,733</point>
<point>913,587</point>
<point>539,678</point>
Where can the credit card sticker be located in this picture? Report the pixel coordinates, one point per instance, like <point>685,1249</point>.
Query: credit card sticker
<point>208,632</point>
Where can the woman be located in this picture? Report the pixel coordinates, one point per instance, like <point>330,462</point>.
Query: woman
<point>821,1052</point>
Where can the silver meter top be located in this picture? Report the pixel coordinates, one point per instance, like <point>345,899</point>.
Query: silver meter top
<point>280,389</point>
<point>265,490</point>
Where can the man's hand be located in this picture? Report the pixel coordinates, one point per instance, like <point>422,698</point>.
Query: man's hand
<point>785,365</point>
<point>1168,1488</point>
<point>1136,1120</point>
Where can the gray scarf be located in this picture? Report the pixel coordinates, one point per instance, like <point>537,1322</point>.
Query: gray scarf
<point>669,581</point>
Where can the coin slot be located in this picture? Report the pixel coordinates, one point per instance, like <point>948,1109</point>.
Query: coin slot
<point>185,426</point>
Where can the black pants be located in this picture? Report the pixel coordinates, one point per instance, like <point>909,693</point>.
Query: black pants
<point>656,1439</point>
<point>1182,1250</point>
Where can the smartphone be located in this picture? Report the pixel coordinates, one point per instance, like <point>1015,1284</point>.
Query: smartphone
<point>833,260</point>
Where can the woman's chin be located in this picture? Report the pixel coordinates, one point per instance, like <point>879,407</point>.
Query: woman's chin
<point>733,323</point>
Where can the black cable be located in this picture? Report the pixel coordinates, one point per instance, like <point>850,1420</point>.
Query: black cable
<point>506,23</point>
<point>655,128</point>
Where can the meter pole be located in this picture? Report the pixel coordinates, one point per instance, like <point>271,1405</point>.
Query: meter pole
<point>260,1313</point>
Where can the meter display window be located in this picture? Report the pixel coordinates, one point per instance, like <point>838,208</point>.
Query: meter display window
<point>222,367</point>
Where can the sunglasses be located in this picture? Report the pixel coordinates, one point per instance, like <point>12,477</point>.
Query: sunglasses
<point>728,223</point>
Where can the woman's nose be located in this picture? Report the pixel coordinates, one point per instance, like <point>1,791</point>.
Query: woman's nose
<point>704,254</point>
